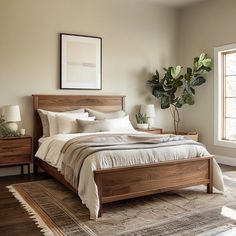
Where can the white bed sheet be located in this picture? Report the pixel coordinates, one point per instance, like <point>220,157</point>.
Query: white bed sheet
<point>41,140</point>
<point>50,151</point>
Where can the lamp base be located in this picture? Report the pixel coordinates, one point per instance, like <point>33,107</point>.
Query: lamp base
<point>150,122</point>
<point>12,126</point>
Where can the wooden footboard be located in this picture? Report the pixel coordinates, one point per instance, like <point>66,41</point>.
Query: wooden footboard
<point>129,182</point>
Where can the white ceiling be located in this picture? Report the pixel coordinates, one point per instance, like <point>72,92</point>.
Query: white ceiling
<point>177,3</point>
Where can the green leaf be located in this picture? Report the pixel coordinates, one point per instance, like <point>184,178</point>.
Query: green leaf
<point>175,71</point>
<point>141,118</point>
<point>195,59</point>
<point>178,83</point>
<point>179,103</point>
<point>192,90</point>
<point>197,65</point>
<point>165,102</point>
<point>207,69</point>
<point>189,71</point>
<point>180,77</point>
<point>207,62</point>
<point>198,81</point>
<point>156,77</point>
<point>157,93</point>
<point>202,56</point>
<point>187,98</point>
<point>187,86</point>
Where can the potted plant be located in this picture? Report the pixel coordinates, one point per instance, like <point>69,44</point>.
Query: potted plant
<point>5,131</point>
<point>176,89</point>
<point>142,121</point>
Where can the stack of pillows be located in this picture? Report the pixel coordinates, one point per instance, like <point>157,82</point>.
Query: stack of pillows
<point>83,121</point>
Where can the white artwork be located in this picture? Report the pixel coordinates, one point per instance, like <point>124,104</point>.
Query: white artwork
<point>80,62</point>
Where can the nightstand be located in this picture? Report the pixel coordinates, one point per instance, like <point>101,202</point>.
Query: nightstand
<point>16,151</point>
<point>151,131</point>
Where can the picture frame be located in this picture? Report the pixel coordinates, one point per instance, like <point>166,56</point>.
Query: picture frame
<point>80,62</point>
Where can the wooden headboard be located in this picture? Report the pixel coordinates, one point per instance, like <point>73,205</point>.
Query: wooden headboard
<point>71,102</point>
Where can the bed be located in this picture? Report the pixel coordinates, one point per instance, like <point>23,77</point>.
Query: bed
<point>114,184</point>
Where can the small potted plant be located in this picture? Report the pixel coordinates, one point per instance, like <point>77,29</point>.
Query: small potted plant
<point>142,121</point>
<point>5,132</point>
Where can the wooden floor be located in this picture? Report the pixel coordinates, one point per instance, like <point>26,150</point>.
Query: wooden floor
<point>14,220</point>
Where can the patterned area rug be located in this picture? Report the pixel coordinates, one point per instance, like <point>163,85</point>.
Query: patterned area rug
<point>191,211</point>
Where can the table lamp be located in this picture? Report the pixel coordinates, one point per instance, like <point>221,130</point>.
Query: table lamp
<point>149,110</point>
<point>12,115</point>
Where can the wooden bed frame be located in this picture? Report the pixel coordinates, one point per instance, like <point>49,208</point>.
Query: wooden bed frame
<point>116,184</point>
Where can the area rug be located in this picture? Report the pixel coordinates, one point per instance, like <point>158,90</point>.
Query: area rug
<point>190,211</point>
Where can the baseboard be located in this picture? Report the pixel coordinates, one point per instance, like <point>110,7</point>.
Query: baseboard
<point>230,161</point>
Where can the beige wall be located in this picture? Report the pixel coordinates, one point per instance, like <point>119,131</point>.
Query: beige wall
<point>137,37</point>
<point>203,27</point>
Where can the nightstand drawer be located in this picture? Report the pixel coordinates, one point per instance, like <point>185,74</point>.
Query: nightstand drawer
<point>8,144</point>
<point>10,147</point>
<point>23,150</point>
<point>9,160</point>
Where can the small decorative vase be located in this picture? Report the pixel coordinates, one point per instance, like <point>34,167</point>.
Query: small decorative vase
<point>142,126</point>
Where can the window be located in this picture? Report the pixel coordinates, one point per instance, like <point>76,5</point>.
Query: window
<point>225,95</point>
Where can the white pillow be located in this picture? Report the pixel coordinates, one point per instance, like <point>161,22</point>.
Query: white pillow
<point>53,124</point>
<point>44,118</point>
<point>105,115</point>
<point>112,125</point>
<point>68,124</point>
<point>120,125</point>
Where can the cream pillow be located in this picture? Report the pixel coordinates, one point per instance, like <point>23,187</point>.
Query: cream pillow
<point>44,118</point>
<point>112,125</point>
<point>68,124</point>
<point>120,125</point>
<point>53,124</point>
<point>105,115</point>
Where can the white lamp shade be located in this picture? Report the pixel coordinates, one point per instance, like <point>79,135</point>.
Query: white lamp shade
<point>148,109</point>
<point>12,113</point>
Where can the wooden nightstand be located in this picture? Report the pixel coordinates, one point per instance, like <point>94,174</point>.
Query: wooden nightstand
<point>16,151</point>
<point>151,131</point>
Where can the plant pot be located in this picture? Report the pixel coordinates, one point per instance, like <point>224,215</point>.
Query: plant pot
<point>190,135</point>
<point>142,126</point>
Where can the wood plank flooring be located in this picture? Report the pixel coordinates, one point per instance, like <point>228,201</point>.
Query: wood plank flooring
<point>14,220</point>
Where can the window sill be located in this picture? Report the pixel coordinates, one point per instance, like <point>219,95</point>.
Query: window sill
<point>225,143</point>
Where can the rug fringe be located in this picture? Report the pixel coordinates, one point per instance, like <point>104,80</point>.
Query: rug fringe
<point>32,214</point>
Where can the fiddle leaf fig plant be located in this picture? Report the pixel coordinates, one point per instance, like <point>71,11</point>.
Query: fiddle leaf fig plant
<point>176,89</point>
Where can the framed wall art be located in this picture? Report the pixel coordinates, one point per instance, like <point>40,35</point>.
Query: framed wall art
<point>81,62</point>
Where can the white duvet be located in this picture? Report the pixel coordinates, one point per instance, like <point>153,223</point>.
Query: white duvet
<point>50,151</point>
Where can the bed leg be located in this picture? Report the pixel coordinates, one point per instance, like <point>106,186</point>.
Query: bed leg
<point>210,174</point>
<point>210,188</point>
<point>35,169</point>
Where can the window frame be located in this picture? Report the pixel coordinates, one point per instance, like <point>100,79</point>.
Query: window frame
<point>219,99</point>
